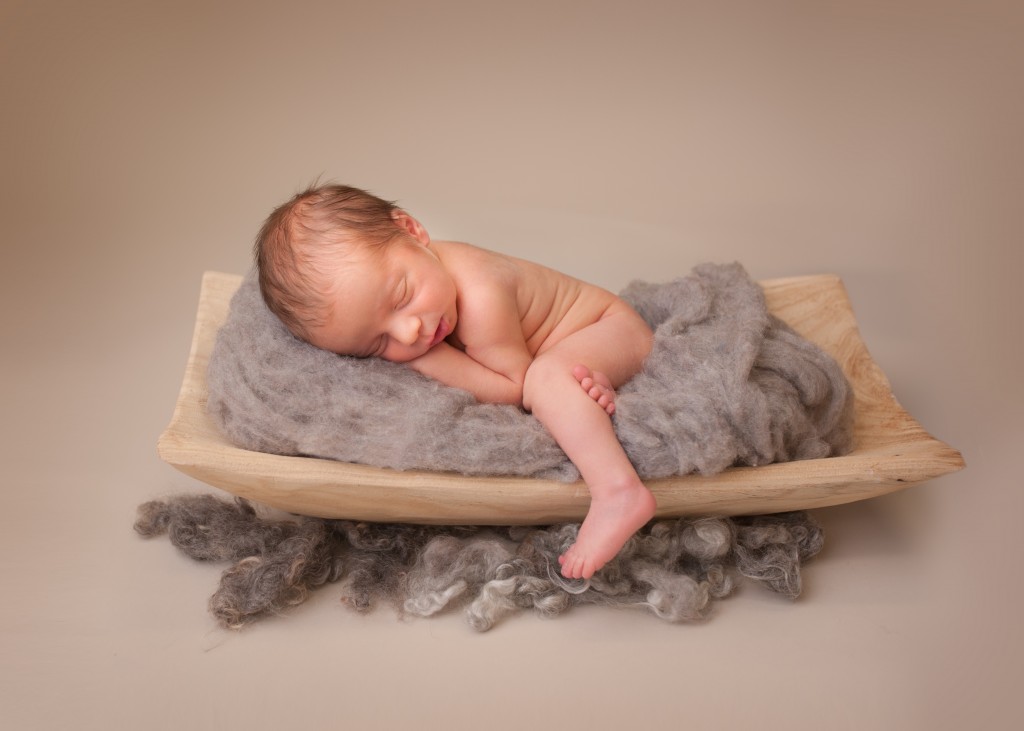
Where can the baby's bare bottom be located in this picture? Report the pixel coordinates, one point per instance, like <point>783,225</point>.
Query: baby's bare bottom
<point>620,504</point>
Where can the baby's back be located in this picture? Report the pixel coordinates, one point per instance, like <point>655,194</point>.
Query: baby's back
<point>551,305</point>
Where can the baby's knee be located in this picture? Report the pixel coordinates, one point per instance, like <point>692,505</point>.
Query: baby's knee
<point>544,376</point>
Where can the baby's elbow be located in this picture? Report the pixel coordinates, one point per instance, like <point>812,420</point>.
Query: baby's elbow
<point>516,394</point>
<point>517,402</point>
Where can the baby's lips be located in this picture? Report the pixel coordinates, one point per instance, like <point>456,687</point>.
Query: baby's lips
<point>443,330</point>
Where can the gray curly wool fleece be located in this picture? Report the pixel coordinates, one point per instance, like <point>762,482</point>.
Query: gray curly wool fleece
<point>726,383</point>
<point>673,568</point>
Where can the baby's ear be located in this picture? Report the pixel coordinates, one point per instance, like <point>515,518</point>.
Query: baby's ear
<point>409,224</point>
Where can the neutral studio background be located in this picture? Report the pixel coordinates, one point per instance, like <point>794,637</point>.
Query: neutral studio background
<point>142,143</point>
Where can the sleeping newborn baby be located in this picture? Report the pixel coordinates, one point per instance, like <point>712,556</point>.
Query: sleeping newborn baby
<point>353,274</point>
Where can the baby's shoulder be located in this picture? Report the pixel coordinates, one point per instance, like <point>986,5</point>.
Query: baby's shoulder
<point>475,265</point>
<point>461,251</point>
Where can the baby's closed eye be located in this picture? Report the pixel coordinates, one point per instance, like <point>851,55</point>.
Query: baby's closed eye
<point>403,294</point>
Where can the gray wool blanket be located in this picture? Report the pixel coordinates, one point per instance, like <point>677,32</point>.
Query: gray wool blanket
<point>726,383</point>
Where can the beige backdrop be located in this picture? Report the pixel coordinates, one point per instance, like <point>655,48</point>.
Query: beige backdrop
<point>143,142</point>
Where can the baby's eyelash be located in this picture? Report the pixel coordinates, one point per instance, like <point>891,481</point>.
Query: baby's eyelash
<point>404,295</point>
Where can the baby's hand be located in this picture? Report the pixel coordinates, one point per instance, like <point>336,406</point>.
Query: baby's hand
<point>596,385</point>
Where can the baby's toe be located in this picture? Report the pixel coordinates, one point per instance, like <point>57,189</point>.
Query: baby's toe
<point>572,565</point>
<point>580,372</point>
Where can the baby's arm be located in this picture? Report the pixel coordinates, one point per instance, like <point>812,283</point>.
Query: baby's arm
<point>494,364</point>
<point>451,366</point>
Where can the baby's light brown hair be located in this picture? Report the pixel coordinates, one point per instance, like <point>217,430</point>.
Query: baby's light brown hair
<point>302,241</point>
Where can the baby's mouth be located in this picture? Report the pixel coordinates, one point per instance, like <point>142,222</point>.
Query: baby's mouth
<point>443,331</point>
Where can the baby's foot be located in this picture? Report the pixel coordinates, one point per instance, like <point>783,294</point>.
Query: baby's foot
<point>609,524</point>
<point>596,385</point>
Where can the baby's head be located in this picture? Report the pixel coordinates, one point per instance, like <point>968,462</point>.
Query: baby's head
<point>353,274</point>
<point>303,242</point>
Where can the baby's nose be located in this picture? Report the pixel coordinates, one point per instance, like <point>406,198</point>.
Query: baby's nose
<point>407,330</point>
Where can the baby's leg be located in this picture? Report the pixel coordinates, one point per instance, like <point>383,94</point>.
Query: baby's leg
<point>620,503</point>
<point>598,386</point>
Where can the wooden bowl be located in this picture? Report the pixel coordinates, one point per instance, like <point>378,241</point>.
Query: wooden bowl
<point>891,450</point>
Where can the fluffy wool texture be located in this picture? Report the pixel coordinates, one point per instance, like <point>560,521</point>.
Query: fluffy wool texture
<point>726,383</point>
<point>672,568</point>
